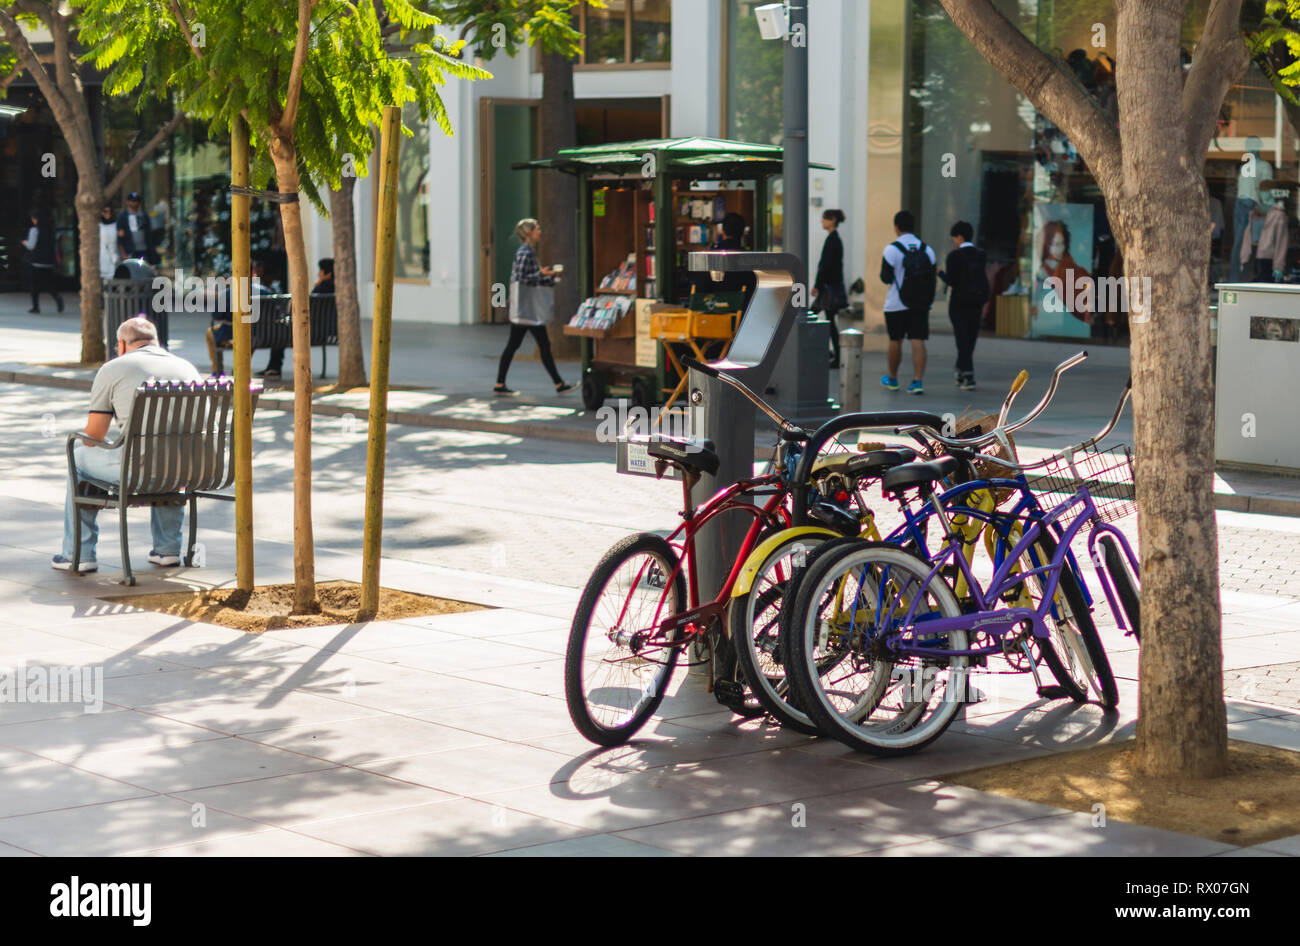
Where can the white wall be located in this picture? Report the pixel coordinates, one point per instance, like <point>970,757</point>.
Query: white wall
<point>696,77</point>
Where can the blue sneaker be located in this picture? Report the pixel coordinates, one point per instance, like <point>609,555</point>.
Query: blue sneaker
<point>916,388</point>
<point>889,383</point>
<point>65,564</point>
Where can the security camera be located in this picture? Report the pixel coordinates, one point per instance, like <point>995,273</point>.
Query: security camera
<point>773,20</point>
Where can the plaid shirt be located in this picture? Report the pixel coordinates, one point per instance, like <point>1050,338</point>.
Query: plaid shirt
<point>526,271</point>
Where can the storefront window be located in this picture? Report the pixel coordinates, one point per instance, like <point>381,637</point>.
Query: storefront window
<point>652,30</point>
<point>413,200</point>
<point>623,33</point>
<point>754,78</point>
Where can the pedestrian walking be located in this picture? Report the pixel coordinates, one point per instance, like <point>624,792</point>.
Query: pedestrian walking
<point>42,257</point>
<point>532,306</point>
<point>135,237</point>
<point>828,292</point>
<point>108,256</point>
<point>968,290</point>
<point>908,269</point>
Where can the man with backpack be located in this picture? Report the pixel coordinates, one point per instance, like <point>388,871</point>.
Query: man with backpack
<point>908,269</point>
<point>968,290</point>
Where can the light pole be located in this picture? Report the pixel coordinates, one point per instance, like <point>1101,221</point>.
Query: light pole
<point>800,379</point>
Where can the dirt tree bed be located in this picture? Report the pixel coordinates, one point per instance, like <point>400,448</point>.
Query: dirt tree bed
<point>268,607</point>
<point>1257,801</point>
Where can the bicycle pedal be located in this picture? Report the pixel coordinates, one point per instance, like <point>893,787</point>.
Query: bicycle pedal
<point>1052,691</point>
<point>730,694</point>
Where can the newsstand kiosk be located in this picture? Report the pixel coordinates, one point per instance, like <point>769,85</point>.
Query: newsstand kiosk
<point>643,207</point>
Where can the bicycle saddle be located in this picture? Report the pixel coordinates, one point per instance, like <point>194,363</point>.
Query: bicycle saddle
<point>687,452</point>
<point>908,475</point>
<point>875,462</point>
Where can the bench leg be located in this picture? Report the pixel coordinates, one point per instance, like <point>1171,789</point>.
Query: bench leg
<point>76,539</point>
<point>322,361</point>
<point>194,532</point>
<point>128,578</point>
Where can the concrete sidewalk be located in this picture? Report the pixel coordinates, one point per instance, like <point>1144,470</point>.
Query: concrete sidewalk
<point>444,375</point>
<point>449,736</point>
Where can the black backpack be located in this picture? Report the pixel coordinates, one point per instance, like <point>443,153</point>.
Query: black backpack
<point>972,283</point>
<point>919,277</point>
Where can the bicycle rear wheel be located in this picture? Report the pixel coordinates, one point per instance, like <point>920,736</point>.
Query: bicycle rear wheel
<point>616,667</point>
<point>755,623</point>
<point>1074,651</point>
<point>855,687</point>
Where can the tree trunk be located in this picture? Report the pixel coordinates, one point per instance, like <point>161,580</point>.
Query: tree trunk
<point>352,362</point>
<point>559,203</point>
<point>284,156</point>
<point>90,197</point>
<point>1161,209</point>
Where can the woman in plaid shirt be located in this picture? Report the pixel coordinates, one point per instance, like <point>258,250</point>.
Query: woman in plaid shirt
<point>526,272</point>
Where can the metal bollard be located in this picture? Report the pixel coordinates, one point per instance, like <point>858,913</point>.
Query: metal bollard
<point>850,370</point>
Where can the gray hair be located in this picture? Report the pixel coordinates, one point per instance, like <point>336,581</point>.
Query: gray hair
<point>138,329</point>
<point>525,227</point>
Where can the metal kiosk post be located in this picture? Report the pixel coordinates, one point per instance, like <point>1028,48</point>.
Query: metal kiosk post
<point>718,412</point>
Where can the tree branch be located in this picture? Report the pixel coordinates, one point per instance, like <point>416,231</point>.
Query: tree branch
<point>8,80</point>
<point>28,58</point>
<point>1046,82</point>
<point>1217,63</point>
<point>290,114</point>
<point>184,24</point>
<point>143,152</point>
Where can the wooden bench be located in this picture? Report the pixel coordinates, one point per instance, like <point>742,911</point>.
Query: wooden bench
<point>178,447</point>
<point>274,325</point>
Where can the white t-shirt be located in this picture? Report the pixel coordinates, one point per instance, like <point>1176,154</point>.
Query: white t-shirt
<point>113,390</point>
<point>894,258</point>
<point>1247,185</point>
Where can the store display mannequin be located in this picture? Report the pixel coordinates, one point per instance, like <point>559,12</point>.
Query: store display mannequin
<point>1270,252</point>
<point>1244,217</point>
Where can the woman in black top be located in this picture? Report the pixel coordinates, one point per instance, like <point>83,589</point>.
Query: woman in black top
<point>828,287</point>
<point>42,258</point>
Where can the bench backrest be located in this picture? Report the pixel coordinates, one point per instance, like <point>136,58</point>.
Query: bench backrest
<point>179,437</point>
<point>274,325</point>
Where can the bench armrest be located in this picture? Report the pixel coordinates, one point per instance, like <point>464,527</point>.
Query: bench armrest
<point>85,438</point>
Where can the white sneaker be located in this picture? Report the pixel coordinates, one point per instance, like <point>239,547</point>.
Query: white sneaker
<point>164,560</point>
<point>65,565</point>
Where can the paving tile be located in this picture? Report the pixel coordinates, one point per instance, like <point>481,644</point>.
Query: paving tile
<point>490,623</point>
<point>117,828</point>
<point>459,655</point>
<point>1250,852</point>
<point>257,710</point>
<point>298,798</point>
<point>522,717</point>
<point>1072,834</point>
<point>370,739</point>
<point>8,850</point>
<point>362,638</point>
<point>48,786</point>
<point>402,690</point>
<point>1280,731</point>
<point>271,842</point>
<point>597,845</point>
<point>197,765</point>
<point>481,770</point>
<point>668,742</point>
<point>1289,845</point>
<point>68,738</point>
<point>923,849</point>
<point>445,829</point>
<point>602,798</point>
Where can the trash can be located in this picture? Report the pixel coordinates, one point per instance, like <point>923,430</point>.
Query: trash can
<point>130,293</point>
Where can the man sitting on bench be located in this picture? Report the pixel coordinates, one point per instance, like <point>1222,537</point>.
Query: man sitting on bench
<point>139,358</point>
<point>324,287</point>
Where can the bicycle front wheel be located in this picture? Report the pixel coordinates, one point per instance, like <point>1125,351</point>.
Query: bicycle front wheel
<point>617,665</point>
<point>847,677</point>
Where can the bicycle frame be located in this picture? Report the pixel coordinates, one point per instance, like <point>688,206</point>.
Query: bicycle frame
<point>998,623</point>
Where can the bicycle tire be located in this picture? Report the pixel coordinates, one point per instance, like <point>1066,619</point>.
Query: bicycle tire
<point>1087,649</point>
<point>1049,650</point>
<point>754,620</point>
<point>873,721</point>
<point>1130,598</point>
<point>589,698</point>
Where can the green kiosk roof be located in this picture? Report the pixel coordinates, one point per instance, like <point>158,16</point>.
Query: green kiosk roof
<point>712,157</point>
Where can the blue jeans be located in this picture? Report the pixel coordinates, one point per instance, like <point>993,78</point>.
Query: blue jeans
<point>101,464</point>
